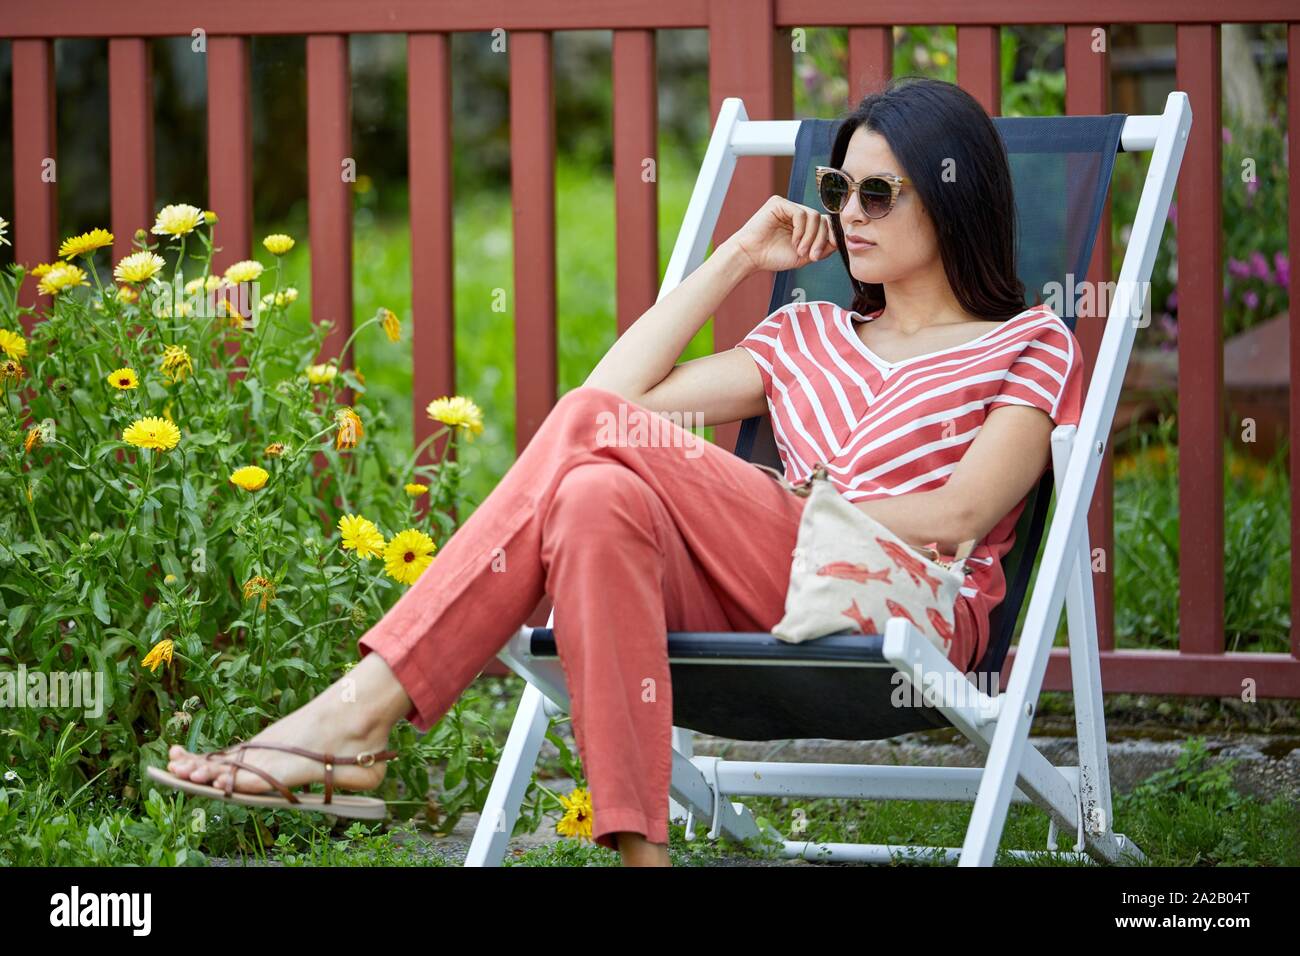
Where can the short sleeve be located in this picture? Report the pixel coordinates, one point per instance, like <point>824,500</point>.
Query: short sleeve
<point>761,343</point>
<point>1047,373</point>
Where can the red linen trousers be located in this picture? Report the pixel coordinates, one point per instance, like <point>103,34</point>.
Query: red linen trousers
<point>634,528</point>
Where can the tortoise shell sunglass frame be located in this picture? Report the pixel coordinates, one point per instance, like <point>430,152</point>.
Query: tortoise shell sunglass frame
<point>834,188</point>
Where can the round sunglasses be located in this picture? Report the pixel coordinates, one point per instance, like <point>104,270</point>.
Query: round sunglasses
<point>877,193</point>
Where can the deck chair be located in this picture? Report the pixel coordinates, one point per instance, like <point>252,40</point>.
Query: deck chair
<point>755,687</point>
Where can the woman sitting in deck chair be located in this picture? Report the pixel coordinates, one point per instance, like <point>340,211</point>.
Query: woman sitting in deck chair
<point>931,400</point>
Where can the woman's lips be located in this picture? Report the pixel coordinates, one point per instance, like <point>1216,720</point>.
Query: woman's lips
<point>859,245</point>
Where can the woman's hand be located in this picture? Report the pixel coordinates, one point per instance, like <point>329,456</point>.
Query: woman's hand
<point>785,235</point>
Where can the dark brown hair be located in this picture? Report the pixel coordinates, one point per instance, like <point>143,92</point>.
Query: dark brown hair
<point>933,127</point>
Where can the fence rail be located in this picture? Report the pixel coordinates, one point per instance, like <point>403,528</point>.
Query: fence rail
<point>750,57</point>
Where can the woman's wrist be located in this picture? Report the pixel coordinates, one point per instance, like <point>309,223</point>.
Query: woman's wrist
<point>734,260</point>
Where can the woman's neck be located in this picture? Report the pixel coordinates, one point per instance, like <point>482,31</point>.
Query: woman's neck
<point>914,304</point>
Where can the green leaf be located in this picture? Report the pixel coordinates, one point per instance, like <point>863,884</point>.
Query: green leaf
<point>255,389</point>
<point>18,616</point>
<point>99,603</point>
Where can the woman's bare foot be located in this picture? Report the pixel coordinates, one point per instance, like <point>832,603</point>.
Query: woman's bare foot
<point>354,715</point>
<point>636,850</point>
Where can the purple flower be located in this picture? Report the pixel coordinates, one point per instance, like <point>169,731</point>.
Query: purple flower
<point>1227,135</point>
<point>1173,213</point>
<point>1237,268</point>
<point>1252,187</point>
<point>1259,266</point>
<point>1171,302</point>
<point>1283,266</point>
<point>1251,299</point>
<point>1170,328</point>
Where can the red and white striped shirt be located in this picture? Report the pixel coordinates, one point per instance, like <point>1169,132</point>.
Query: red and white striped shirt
<point>890,428</point>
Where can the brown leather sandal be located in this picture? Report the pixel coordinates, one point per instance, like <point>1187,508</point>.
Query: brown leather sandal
<point>362,808</point>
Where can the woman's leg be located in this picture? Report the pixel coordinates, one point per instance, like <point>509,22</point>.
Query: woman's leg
<point>736,524</point>
<point>478,591</point>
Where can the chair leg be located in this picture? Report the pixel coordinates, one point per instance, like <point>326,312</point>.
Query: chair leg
<point>684,744</point>
<point>1089,715</point>
<point>511,780</point>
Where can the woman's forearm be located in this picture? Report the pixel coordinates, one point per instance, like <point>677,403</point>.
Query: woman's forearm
<point>927,517</point>
<point>645,354</point>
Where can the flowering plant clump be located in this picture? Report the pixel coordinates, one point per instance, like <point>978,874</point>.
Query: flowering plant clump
<point>192,502</point>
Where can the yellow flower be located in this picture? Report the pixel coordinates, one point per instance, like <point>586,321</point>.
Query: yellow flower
<point>126,294</point>
<point>176,362</point>
<point>40,270</point>
<point>246,270</point>
<point>274,450</point>
<point>32,440</point>
<point>250,477</point>
<point>85,244</point>
<point>361,535</point>
<point>201,284</point>
<point>13,344</point>
<point>278,243</point>
<point>169,579</point>
<point>415,490</point>
<point>161,653</point>
<point>4,239</point>
<point>123,378</point>
<point>62,275</point>
<point>290,294</point>
<point>350,428</point>
<point>458,412</point>
<point>156,433</point>
<point>138,266</point>
<point>577,818</point>
<point>178,219</point>
<point>392,325</point>
<point>11,370</point>
<point>258,585</point>
<point>408,554</point>
<point>320,374</point>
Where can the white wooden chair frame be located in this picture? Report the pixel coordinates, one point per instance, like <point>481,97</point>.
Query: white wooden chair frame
<point>1077,799</point>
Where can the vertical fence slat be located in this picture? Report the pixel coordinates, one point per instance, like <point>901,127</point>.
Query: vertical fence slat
<point>871,60</point>
<point>35,217</point>
<point>130,136</point>
<point>636,198</point>
<point>979,57</point>
<point>330,174</point>
<point>1200,348</point>
<point>1087,92</point>
<point>230,153</point>
<point>230,147</point>
<point>750,58</point>
<point>532,189</point>
<point>1293,251</point>
<point>433,325</point>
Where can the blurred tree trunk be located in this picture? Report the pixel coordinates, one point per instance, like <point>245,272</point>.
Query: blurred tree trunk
<point>1243,93</point>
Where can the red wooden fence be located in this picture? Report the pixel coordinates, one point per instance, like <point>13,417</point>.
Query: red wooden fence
<point>750,56</point>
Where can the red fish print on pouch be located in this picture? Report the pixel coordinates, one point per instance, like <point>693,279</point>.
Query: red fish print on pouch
<point>853,572</point>
<point>865,624</point>
<point>912,566</point>
<point>941,627</point>
<point>897,610</point>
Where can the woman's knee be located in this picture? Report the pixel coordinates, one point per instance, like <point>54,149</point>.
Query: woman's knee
<point>585,405</point>
<point>593,495</point>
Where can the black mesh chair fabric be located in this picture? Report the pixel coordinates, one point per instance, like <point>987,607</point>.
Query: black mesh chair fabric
<point>756,687</point>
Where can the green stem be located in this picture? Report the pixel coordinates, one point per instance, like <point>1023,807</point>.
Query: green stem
<point>144,493</point>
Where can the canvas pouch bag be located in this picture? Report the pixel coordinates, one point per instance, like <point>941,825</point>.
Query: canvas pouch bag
<point>851,574</point>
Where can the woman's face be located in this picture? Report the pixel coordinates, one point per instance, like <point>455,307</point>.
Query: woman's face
<point>905,240</point>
